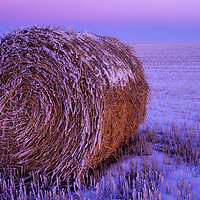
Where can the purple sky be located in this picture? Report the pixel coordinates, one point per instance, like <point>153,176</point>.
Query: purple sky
<point>134,21</point>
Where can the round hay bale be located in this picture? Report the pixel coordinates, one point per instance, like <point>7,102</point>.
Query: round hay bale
<point>67,99</point>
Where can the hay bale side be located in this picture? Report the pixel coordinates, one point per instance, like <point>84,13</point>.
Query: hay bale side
<point>67,99</point>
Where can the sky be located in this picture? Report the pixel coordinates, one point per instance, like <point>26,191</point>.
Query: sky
<point>132,21</point>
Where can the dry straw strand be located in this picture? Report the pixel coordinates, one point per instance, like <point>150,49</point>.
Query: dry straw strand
<point>68,99</point>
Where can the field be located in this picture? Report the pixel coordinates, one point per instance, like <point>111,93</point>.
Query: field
<point>173,72</point>
<point>165,161</point>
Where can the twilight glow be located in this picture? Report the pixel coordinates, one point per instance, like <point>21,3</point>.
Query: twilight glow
<point>131,20</point>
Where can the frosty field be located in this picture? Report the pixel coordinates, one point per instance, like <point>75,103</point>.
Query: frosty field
<point>167,165</point>
<point>173,72</point>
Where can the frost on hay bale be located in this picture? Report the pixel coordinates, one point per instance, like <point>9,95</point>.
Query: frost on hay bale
<point>67,99</point>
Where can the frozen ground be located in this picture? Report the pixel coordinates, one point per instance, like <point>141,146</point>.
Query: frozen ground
<point>173,71</point>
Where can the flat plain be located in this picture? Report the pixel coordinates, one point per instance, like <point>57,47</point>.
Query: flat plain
<point>173,71</point>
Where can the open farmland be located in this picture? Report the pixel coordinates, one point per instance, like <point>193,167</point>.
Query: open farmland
<point>173,71</point>
<point>167,165</point>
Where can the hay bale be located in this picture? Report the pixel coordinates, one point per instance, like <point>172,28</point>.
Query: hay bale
<point>67,99</point>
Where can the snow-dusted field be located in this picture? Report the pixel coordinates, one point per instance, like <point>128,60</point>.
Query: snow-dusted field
<point>173,71</point>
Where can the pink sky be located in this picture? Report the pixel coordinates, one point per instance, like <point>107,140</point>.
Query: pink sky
<point>99,12</point>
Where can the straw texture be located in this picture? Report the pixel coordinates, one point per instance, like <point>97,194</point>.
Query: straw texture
<point>67,99</point>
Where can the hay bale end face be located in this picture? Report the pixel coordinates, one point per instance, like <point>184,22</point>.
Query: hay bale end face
<point>67,99</point>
